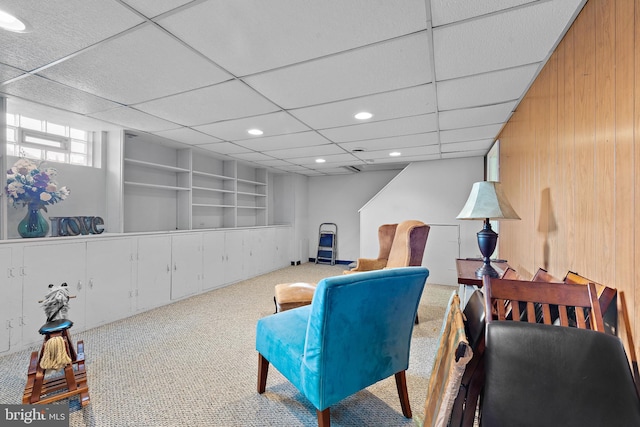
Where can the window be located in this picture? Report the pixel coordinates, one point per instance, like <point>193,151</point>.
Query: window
<point>43,140</point>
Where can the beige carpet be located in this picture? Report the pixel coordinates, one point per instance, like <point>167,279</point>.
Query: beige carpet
<point>193,363</point>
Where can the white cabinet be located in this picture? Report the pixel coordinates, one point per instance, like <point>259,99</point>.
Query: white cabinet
<point>213,253</point>
<point>114,276</point>
<point>153,272</point>
<point>233,265</point>
<point>109,281</point>
<point>186,265</point>
<point>283,247</point>
<point>10,302</point>
<point>44,264</point>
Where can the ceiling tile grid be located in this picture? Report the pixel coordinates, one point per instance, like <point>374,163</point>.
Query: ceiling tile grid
<point>440,77</point>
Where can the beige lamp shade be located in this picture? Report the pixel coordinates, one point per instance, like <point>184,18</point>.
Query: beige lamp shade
<point>487,200</point>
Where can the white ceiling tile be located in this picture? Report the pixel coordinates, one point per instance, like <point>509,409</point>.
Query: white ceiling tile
<point>248,36</point>
<point>476,145</point>
<point>129,118</point>
<point>251,156</point>
<point>404,160</point>
<point>316,150</point>
<point>57,95</point>
<point>476,116</point>
<point>385,66</point>
<point>331,160</point>
<point>188,136</point>
<point>278,123</point>
<point>224,148</point>
<point>485,89</point>
<point>8,72</point>
<point>271,162</point>
<point>59,28</point>
<point>151,8</point>
<point>447,11</point>
<point>142,64</point>
<point>293,140</point>
<point>461,154</point>
<point>407,153</point>
<point>515,37</point>
<point>388,105</point>
<point>396,127</point>
<point>470,134</point>
<point>224,101</point>
<point>414,140</point>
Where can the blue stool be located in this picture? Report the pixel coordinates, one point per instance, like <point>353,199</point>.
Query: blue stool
<point>74,381</point>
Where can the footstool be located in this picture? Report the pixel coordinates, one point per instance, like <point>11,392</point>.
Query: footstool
<point>292,295</point>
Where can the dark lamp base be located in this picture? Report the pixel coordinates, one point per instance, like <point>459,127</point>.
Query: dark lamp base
<point>487,270</point>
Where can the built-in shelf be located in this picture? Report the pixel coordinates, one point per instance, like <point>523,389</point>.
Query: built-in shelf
<point>155,165</point>
<point>158,186</point>
<point>207,192</point>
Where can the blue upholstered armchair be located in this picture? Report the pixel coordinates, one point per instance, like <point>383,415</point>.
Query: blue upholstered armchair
<point>356,332</point>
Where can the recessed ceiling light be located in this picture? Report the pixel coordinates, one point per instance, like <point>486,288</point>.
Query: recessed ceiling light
<point>395,154</point>
<point>11,23</point>
<point>320,160</point>
<point>255,132</point>
<point>363,115</point>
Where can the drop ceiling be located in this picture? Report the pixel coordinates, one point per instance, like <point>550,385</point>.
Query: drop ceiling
<point>441,77</point>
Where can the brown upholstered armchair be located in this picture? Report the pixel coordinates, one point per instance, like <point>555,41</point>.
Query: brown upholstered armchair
<point>401,245</point>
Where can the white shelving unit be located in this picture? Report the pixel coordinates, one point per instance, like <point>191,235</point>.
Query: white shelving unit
<point>173,188</point>
<point>157,186</point>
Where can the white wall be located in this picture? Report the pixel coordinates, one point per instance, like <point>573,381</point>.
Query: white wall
<point>433,192</point>
<point>337,199</point>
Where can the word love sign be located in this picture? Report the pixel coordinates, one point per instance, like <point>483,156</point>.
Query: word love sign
<point>75,225</point>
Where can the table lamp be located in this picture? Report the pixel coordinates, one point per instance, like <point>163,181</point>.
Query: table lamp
<point>487,201</point>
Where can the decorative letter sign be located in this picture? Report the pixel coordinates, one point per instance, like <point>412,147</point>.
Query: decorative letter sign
<point>75,225</point>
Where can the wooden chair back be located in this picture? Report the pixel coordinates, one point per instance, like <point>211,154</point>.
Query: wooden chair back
<point>574,303</point>
<point>543,275</point>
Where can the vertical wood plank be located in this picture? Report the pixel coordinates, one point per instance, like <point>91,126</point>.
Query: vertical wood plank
<point>624,152</point>
<point>604,231</point>
<point>584,157</point>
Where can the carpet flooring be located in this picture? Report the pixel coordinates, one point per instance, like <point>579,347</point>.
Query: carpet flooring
<point>193,363</point>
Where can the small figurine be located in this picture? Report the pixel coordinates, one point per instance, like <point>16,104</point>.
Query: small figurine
<point>56,302</point>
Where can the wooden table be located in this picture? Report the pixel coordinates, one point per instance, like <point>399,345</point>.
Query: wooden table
<point>467,267</point>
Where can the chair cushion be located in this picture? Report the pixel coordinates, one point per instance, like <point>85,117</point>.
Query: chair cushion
<point>292,295</point>
<point>55,326</point>
<point>280,339</point>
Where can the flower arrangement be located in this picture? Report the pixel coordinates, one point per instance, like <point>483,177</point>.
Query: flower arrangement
<point>29,184</point>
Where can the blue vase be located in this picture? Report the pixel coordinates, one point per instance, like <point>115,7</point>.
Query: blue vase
<point>33,224</point>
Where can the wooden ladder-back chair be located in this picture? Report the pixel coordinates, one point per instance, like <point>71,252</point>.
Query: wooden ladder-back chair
<point>507,295</point>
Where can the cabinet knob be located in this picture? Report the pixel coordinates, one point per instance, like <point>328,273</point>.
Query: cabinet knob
<point>91,283</point>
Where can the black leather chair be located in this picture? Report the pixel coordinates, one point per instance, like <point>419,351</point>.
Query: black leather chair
<point>545,375</point>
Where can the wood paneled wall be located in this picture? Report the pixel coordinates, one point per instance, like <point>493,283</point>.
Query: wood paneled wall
<point>570,160</point>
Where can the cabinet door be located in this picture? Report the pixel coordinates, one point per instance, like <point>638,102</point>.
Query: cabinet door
<point>283,247</point>
<point>186,259</point>
<point>213,253</point>
<point>11,301</point>
<point>153,272</point>
<point>261,251</point>
<point>109,274</point>
<point>234,256</point>
<point>51,264</point>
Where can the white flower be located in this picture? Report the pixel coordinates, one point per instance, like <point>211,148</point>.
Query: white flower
<point>45,197</point>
